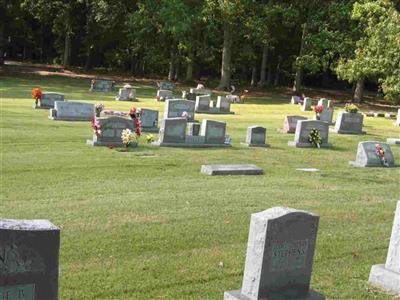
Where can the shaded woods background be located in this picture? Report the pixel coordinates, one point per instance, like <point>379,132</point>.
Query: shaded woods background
<point>330,44</point>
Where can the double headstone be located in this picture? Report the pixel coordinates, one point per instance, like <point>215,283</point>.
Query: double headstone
<point>303,130</point>
<point>203,103</point>
<point>387,276</point>
<point>349,123</point>
<point>290,123</point>
<point>49,99</point>
<point>101,85</point>
<point>72,111</point>
<point>279,259</point>
<point>149,120</point>
<point>111,131</point>
<point>367,155</point>
<point>175,108</point>
<point>307,103</point>
<point>29,259</point>
<point>256,136</point>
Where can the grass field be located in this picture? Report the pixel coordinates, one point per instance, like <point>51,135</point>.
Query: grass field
<point>147,225</point>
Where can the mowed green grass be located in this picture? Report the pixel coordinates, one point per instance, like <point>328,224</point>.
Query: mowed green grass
<point>147,225</point>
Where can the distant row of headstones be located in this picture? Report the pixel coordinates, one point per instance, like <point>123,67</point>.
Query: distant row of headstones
<point>279,260</point>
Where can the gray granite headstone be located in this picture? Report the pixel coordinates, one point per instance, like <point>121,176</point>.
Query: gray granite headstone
<point>223,104</point>
<point>72,111</point>
<point>174,108</point>
<point>324,102</point>
<point>29,260</point>
<point>200,91</point>
<point>213,131</point>
<point>327,115</point>
<point>307,104</point>
<point>387,276</point>
<point>214,170</point>
<point>111,130</point>
<point>173,130</point>
<point>149,119</point>
<point>303,130</point>
<point>164,94</point>
<point>367,157</point>
<point>256,136</point>
<point>295,100</point>
<point>48,100</point>
<point>126,94</point>
<point>166,86</point>
<point>101,85</point>
<point>349,123</point>
<point>203,103</point>
<point>290,123</point>
<point>279,259</point>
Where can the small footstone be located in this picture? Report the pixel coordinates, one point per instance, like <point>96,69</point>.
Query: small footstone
<point>308,169</point>
<point>231,170</point>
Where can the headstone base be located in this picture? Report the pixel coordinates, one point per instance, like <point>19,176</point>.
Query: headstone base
<point>129,100</point>
<point>255,145</point>
<point>190,145</point>
<point>37,106</point>
<point>345,131</point>
<point>393,141</point>
<point>150,129</point>
<point>231,170</point>
<point>236,295</point>
<point>307,145</point>
<point>53,116</point>
<point>384,278</point>
<point>357,165</point>
<point>108,144</point>
<point>215,111</point>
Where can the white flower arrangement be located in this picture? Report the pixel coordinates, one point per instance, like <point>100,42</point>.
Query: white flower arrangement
<point>128,137</point>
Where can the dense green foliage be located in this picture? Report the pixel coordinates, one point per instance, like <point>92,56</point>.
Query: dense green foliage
<point>264,42</point>
<point>147,225</point>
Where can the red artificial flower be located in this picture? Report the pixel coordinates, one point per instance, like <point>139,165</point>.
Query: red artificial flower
<point>36,94</point>
<point>138,125</point>
<point>96,126</point>
<point>318,109</point>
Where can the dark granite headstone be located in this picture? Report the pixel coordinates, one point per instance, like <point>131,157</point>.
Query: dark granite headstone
<point>166,86</point>
<point>173,130</point>
<point>174,108</point>
<point>203,103</point>
<point>101,85</point>
<point>48,100</point>
<point>213,131</point>
<point>29,252</point>
<point>256,136</point>
<point>149,119</point>
<point>279,260</point>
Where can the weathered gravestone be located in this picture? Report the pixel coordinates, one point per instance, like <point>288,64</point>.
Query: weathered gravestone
<point>29,252</point>
<point>173,131</point>
<point>223,104</point>
<point>279,259</point>
<point>307,104</point>
<point>203,103</point>
<point>149,120</point>
<point>214,170</point>
<point>397,123</point>
<point>295,100</point>
<point>111,130</point>
<point>213,131</point>
<point>303,130</point>
<point>72,111</point>
<point>290,123</point>
<point>48,100</point>
<point>367,156</point>
<point>325,103</point>
<point>163,95</point>
<point>126,94</point>
<point>349,123</point>
<point>166,86</point>
<point>101,85</point>
<point>174,108</point>
<point>387,276</point>
<point>256,136</point>
<point>326,115</point>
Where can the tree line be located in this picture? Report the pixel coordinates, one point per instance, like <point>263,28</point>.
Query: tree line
<point>264,42</point>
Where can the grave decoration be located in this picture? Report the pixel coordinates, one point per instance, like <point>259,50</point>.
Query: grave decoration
<point>173,133</point>
<point>98,109</point>
<point>29,260</point>
<point>45,100</point>
<point>101,85</point>
<point>349,121</point>
<point>387,276</point>
<point>36,95</point>
<point>279,258</point>
<point>373,154</point>
<point>318,111</point>
<point>129,138</point>
<point>315,137</point>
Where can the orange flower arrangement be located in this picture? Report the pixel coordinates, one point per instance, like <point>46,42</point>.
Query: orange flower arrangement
<point>36,94</point>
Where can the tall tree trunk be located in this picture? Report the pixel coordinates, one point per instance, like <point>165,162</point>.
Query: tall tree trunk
<point>278,71</point>
<point>67,50</point>
<point>226,71</point>
<point>263,70</point>
<point>189,67</point>
<point>269,77</point>
<point>299,69</point>
<point>171,65</point>
<point>359,91</point>
<point>177,69</point>
<point>2,44</point>
<point>253,76</point>
<point>88,63</point>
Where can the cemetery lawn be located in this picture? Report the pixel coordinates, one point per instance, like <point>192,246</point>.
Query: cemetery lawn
<point>146,224</point>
